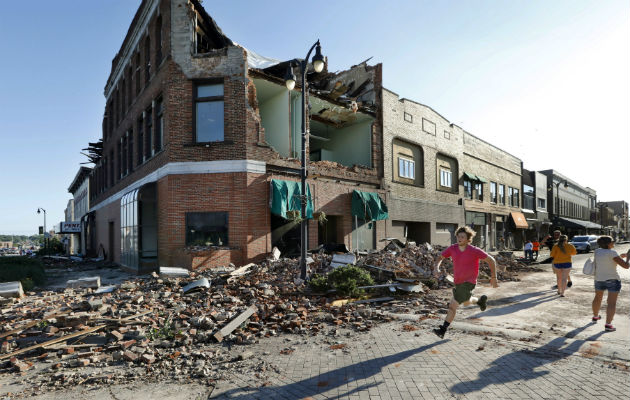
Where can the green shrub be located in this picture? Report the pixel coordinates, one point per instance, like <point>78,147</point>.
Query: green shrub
<point>319,283</point>
<point>347,279</point>
<point>29,271</point>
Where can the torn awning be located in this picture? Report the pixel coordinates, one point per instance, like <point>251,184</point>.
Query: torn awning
<point>368,206</point>
<point>470,176</point>
<point>285,197</point>
<point>577,223</point>
<point>519,220</point>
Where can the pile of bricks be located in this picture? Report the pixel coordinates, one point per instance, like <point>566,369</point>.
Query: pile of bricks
<point>153,327</point>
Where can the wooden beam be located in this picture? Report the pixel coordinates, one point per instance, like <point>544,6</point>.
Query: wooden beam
<point>234,323</point>
<point>53,341</point>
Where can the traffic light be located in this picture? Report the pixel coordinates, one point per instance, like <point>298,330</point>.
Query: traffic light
<point>41,230</point>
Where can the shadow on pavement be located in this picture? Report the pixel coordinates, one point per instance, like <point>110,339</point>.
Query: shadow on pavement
<point>521,365</point>
<point>327,381</point>
<point>519,304</point>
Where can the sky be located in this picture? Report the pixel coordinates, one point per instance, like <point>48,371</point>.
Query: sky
<point>546,81</point>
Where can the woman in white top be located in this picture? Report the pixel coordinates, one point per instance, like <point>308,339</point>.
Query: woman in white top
<point>607,278</point>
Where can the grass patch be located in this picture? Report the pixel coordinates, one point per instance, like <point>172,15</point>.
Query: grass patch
<point>27,270</point>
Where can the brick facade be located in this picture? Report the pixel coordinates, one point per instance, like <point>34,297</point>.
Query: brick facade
<point>232,175</point>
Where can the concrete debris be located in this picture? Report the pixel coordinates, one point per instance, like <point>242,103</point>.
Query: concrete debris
<point>171,271</point>
<point>339,260</point>
<point>91,282</point>
<point>11,289</point>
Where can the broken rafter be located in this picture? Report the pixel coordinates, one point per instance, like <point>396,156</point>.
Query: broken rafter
<point>53,341</point>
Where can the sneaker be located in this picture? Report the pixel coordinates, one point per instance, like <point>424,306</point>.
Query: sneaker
<point>569,284</point>
<point>595,319</point>
<point>609,328</point>
<point>482,302</point>
<point>439,332</point>
<point>554,287</point>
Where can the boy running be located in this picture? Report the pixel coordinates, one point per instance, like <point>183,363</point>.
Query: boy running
<point>465,258</point>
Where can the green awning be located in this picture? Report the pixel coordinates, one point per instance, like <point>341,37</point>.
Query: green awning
<point>482,180</point>
<point>368,206</point>
<point>285,197</point>
<point>470,176</point>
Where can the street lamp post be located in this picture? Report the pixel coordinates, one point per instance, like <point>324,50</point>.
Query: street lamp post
<point>39,211</point>
<point>318,66</point>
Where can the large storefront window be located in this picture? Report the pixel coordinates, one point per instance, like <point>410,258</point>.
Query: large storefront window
<point>129,229</point>
<point>207,229</point>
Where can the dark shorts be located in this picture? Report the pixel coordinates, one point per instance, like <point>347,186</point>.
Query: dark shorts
<point>463,291</point>
<point>612,285</point>
<point>563,265</point>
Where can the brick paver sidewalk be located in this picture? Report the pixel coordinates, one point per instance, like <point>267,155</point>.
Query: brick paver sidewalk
<point>392,362</point>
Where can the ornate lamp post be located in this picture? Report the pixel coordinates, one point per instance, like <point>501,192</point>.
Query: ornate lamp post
<point>318,66</point>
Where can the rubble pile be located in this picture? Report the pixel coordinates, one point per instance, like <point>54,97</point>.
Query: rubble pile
<point>415,263</point>
<point>174,325</point>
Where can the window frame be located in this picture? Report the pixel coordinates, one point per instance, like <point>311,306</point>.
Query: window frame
<point>502,194</point>
<point>468,189</point>
<point>410,163</point>
<point>479,189</point>
<point>226,231</point>
<point>207,99</point>
<point>493,193</point>
<point>446,174</point>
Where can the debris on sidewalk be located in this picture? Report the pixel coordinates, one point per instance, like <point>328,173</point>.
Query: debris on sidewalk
<point>181,323</point>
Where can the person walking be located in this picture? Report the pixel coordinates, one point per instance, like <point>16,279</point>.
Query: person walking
<point>535,248</point>
<point>607,279</point>
<point>466,259</point>
<point>550,242</point>
<point>528,250</point>
<point>561,254</point>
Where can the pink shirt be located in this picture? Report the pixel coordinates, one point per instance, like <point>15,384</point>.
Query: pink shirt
<point>465,263</point>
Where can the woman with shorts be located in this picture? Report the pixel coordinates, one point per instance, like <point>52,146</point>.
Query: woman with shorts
<point>561,254</point>
<point>607,278</point>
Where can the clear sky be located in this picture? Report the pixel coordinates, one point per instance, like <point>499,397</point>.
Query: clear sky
<point>547,81</point>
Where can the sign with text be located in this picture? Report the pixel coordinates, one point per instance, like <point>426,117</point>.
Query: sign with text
<point>70,227</point>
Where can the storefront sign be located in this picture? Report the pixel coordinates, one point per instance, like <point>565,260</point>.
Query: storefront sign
<point>70,227</point>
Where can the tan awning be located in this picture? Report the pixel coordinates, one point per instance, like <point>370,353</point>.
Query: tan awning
<point>519,220</point>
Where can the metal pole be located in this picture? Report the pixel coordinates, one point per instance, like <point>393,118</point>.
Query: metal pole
<point>303,199</point>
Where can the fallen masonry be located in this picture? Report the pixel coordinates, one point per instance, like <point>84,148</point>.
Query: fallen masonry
<point>184,326</point>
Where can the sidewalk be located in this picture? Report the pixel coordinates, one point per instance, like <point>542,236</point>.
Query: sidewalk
<point>395,362</point>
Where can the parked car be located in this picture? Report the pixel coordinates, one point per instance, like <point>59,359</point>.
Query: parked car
<point>584,243</point>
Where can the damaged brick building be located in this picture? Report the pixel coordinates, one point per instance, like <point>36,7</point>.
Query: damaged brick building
<point>201,149</point>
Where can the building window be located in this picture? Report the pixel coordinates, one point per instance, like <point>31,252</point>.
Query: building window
<point>159,124</point>
<point>158,40</point>
<point>209,113</point>
<point>467,189</point>
<point>148,133</point>
<point>408,117</point>
<point>120,158</point>
<point>446,178</point>
<point>140,147</point>
<point>111,168</point>
<point>510,196</point>
<point>138,69</point>
<point>502,194</point>
<point>493,192</point>
<point>147,60</point>
<point>528,197</point>
<point>406,168</point>
<point>479,190</point>
<point>129,150</point>
<point>207,229</point>
<point>517,198</point>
